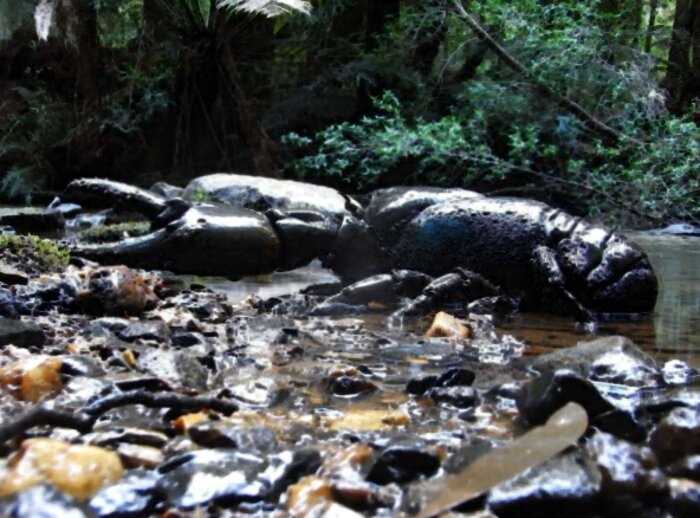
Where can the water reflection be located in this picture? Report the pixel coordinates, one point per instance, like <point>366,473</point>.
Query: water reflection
<point>674,329</point>
<point>266,286</point>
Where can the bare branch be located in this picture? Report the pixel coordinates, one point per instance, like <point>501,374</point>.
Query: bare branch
<point>579,111</point>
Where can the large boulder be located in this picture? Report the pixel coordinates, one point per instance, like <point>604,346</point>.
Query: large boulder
<point>261,194</point>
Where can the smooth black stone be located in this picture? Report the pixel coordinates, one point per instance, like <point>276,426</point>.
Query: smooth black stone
<point>39,223</point>
<point>188,340</point>
<point>220,435</point>
<point>232,477</point>
<point>461,397</point>
<point>689,467</point>
<point>622,424</point>
<point>450,378</point>
<point>81,366</point>
<point>20,333</point>
<point>420,386</point>
<point>42,501</point>
<point>350,386</point>
<point>456,377</point>
<point>155,330</point>
<point>547,393</point>
<point>677,435</point>
<point>403,463</point>
<point>631,479</point>
<point>568,485</point>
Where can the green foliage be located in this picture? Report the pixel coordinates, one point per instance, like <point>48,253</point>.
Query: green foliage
<point>42,253</point>
<point>625,183</point>
<point>199,195</point>
<point>120,21</point>
<point>500,131</point>
<point>360,154</point>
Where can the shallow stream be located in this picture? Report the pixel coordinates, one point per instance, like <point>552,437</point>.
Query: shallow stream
<point>672,331</point>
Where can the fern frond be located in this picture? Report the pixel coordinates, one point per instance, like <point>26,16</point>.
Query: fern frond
<point>44,18</point>
<point>269,8</point>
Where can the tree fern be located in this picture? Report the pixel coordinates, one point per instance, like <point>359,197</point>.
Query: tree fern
<point>267,7</point>
<point>44,18</point>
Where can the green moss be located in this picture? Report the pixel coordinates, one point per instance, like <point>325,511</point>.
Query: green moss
<point>199,195</point>
<point>29,250</point>
<point>115,232</point>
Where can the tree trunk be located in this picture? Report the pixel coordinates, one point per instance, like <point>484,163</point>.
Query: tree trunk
<point>77,21</point>
<point>430,36</point>
<point>651,27</point>
<point>682,76</point>
<point>379,13</point>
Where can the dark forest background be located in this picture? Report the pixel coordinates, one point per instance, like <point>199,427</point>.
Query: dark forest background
<point>593,106</point>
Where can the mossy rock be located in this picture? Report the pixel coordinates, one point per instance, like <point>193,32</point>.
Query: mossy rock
<point>115,232</point>
<point>32,253</point>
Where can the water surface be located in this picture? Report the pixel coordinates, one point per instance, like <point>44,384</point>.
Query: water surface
<point>672,331</point>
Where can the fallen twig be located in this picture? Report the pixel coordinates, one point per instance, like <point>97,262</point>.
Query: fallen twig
<point>84,419</point>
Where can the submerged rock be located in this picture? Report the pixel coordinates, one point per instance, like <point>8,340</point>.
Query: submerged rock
<point>678,372</point>
<point>447,326</point>
<point>453,377</point>
<point>678,229</point>
<point>544,395</point>
<point>154,330</point>
<point>32,378</point>
<point>220,434</point>
<point>177,368</point>
<point>227,478</point>
<point>79,471</point>
<point>403,463</point>
<point>614,359</point>
<point>626,369</point>
<point>166,190</point>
